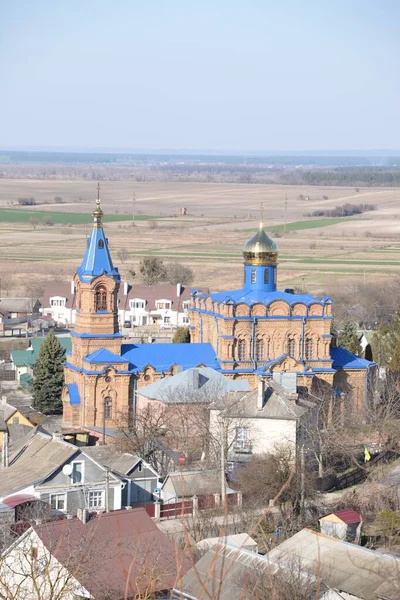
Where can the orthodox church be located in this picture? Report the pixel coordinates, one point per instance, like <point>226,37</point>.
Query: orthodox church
<point>254,332</point>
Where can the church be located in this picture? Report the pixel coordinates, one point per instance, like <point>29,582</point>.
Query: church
<point>253,332</point>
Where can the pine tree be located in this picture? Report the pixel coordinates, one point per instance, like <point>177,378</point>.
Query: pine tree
<point>348,339</point>
<point>49,375</point>
<point>181,336</point>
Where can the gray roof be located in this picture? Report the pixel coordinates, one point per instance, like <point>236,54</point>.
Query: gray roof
<point>345,567</point>
<point>34,458</point>
<point>200,384</point>
<point>108,456</point>
<point>194,483</point>
<point>226,572</point>
<point>238,540</point>
<point>278,404</point>
<point>20,305</point>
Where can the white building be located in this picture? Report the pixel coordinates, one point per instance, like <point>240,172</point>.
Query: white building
<point>165,306</point>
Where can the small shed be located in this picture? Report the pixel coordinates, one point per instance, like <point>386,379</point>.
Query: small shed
<point>342,524</point>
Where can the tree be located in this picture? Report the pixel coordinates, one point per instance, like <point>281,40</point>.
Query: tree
<point>179,273</point>
<point>181,336</point>
<point>34,221</point>
<point>122,254</point>
<point>49,375</point>
<point>152,270</point>
<point>348,339</point>
<point>58,200</point>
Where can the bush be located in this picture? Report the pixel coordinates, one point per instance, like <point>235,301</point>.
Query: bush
<point>27,201</point>
<point>181,336</point>
<point>48,221</point>
<point>344,210</point>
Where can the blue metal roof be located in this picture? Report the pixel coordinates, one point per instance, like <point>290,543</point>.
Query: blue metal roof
<point>97,260</point>
<point>104,356</point>
<point>163,356</point>
<point>74,397</point>
<point>343,359</point>
<point>251,297</point>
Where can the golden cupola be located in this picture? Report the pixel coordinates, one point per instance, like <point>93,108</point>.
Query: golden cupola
<point>260,250</point>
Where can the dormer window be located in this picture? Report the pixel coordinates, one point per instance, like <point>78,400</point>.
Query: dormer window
<point>163,304</point>
<point>57,301</point>
<point>136,303</point>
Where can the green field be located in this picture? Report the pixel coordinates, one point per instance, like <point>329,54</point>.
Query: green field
<point>310,224</point>
<point>10,215</point>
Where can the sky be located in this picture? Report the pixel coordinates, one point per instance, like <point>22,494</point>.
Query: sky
<point>200,74</point>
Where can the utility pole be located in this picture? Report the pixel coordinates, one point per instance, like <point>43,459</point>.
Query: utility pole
<point>285,222</point>
<point>107,490</point>
<point>133,206</point>
<point>104,422</point>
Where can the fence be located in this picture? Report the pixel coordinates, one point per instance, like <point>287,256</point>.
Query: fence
<point>176,509</point>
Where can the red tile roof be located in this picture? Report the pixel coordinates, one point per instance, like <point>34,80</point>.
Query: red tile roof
<point>121,553</point>
<point>348,516</point>
<point>19,499</point>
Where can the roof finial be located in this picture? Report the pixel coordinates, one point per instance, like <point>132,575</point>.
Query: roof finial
<point>98,193</point>
<point>98,213</point>
<point>261,215</point>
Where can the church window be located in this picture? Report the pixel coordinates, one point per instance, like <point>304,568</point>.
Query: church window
<point>260,347</point>
<point>107,407</point>
<point>253,275</point>
<point>101,244</point>
<point>244,277</point>
<point>266,276</point>
<point>275,275</point>
<point>291,346</point>
<point>242,350</point>
<point>309,348</point>
<point>101,298</point>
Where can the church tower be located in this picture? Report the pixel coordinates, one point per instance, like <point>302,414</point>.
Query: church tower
<point>97,390</point>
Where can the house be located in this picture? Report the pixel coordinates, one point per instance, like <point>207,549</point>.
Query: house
<point>121,554</point>
<point>238,540</point>
<point>186,484</point>
<point>24,360</point>
<point>258,421</point>
<point>17,310</point>
<point>10,416</point>
<point>67,477</point>
<point>342,524</point>
<point>353,571</point>
<point>58,303</point>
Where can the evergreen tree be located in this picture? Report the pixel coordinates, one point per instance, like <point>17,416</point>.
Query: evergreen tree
<point>49,375</point>
<point>348,339</point>
<point>181,336</point>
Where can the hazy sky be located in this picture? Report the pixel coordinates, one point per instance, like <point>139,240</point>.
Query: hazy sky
<point>211,74</point>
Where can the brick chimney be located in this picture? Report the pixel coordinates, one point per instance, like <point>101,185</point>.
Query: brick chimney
<point>260,394</point>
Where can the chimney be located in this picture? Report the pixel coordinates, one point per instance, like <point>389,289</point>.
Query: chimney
<point>72,287</point>
<point>194,379</point>
<point>5,450</point>
<point>178,290</point>
<point>4,399</point>
<point>126,286</point>
<point>260,394</point>
<point>83,515</point>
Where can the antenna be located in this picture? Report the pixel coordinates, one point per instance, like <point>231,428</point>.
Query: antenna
<point>67,469</point>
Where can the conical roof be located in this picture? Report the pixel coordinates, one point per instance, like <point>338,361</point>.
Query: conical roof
<point>260,249</point>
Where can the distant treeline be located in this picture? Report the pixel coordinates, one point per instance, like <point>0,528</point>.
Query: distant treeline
<point>362,176</point>
<point>345,210</point>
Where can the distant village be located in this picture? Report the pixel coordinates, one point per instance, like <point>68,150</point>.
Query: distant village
<point>169,441</point>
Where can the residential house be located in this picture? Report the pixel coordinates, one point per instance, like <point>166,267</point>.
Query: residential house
<point>70,478</point>
<point>12,417</point>
<point>186,484</point>
<point>121,554</point>
<point>17,310</point>
<point>257,422</point>
<point>342,524</point>
<point>58,303</point>
<point>24,360</point>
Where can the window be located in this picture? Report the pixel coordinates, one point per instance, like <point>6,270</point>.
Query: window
<point>186,304</point>
<point>185,320</point>
<point>107,407</point>
<point>253,275</point>
<point>101,298</point>
<point>291,346</point>
<point>101,244</point>
<point>95,499</point>
<point>77,472</point>
<point>266,276</point>
<point>242,350</point>
<point>167,305</point>
<point>260,346</point>
<point>58,501</point>
<point>167,319</point>
<point>140,467</point>
<point>242,439</point>
<point>136,304</point>
<point>309,348</point>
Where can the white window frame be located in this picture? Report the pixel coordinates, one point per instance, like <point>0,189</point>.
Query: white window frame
<point>65,496</point>
<point>186,304</point>
<point>167,320</point>
<point>137,303</point>
<point>97,492</point>
<point>76,462</point>
<point>185,320</point>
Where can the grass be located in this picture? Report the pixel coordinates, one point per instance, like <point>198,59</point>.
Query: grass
<point>310,224</point>
<point>10,215</point>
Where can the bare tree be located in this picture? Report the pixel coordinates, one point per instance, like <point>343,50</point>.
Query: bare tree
<point>123,255</point>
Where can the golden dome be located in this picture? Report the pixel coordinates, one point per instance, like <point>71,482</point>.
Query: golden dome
<point>260,250</point>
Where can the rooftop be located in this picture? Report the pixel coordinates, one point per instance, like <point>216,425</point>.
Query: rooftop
<point>250,297</point>
<point>119,462</point>
<point>343,359</point>
<point>164,356</point>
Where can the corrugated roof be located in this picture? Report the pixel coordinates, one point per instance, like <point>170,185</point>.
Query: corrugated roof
<point>121,554</point>
<point>63,290</point>
<point>109,456</point>
<point>251,297</point>
<point>34,459</point>
<point>103,356</point>
<point>202,384</point>
<point>343,359</point>
<point>348,516</point>
<point>342,566</point>
<point>195,483</point>
<point>29,356</point>
<point>163,356</point>
<point>19,499</point>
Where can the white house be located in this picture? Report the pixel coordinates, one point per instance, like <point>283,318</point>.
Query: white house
<point>165,306</point>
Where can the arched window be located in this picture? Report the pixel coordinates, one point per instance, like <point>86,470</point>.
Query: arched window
<point>291,346</point>
<point>101,244</point>
<point>260,349</point>
<point>266,276</point>
<point>242,350</point>
<point>309,348</point>
<point>253,275</point>
<point>107,407</point>
<point>101,298</point>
